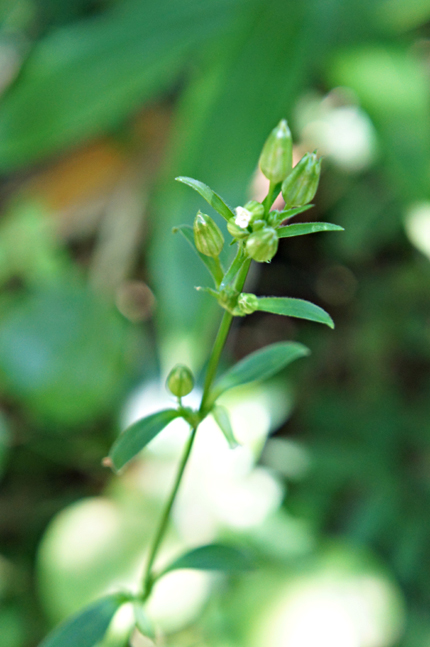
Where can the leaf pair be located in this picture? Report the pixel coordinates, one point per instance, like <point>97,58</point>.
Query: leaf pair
<point>88,627</point>
<point>258,366</point>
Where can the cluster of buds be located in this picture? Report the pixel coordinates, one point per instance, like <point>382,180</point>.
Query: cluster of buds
<point>254,225</point>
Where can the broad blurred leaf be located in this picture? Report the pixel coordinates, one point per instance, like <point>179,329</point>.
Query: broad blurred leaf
<point>85,78</point>
<point>138,435</point>
<point>213,267</point>
<point>210,196</point>
<point>222,418</point>
<point>63,353</point>
<point>143,623</point>
<point>295,308</point>
<point>301,229</point>
<point>213,557</point>
<point>260,365</point>
<point>88,627</point>
<point>4,442</point>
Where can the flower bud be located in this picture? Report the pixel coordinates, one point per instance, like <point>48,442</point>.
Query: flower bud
<point>180,381</point>
<point>301,185</point>
<point>255,208</point>
<point>247,303</point>
<point>236,230</point>
<point>258,224</point>
<point>262,245</point>
<point>276,159</point>
<point>207,235</point>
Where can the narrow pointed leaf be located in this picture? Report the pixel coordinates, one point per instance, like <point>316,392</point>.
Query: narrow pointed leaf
<point>143,623</point>
<point>222,418</point>
<point>213,557</point>
<point>300,229</point>
<point>138,435</point>
<point>295,308</point>
<point>260,365</point>
<point>213,264</point>
<point>290,213</point>
<point>210,196</point>
<point>88,627</point>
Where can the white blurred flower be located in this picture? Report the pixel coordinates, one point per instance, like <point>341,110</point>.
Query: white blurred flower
<point>243,217</point>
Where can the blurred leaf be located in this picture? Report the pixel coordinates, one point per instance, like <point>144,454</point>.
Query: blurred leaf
<point>295,308</point>
<point>214,268</point>
<point>210,196</point>
<point>86,628</point>
<point>222,418</point>
<point>85,78</point>
<point>4,442</point>
<point>138,435</point>
<point>260,365</point>
<point>301,229</point>
<point>213,557</point>
<point>63,353</point>
<point>290,213</point>
<point>143,623</point>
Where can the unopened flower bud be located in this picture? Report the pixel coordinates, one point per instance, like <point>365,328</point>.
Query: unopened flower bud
<point>180,381</point>
<point>301,185</point>
<point>255,208</point>
<point>235,230</point>
<point>262,245</point>
<point>258,224</point>
<point>207,235</point>
<point>276,159</point>
<point>247,303</point>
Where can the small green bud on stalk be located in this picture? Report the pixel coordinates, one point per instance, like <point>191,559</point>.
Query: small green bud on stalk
<point>258,224</point>
<point>180,381</point>
<point>255,208</point>
<point>235,230</point>
<point>207,235</point>
<point>276,159</point>
<point>247,303</point>
<point>301,185</point>
<point>262,245</point>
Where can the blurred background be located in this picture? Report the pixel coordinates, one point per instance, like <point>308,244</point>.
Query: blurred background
<point>103,103</point>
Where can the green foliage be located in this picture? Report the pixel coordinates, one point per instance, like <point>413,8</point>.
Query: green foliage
<point>212,557</point>
<point>88,627</point>
<point>260,365</point>
<point>295,308</point>
<point>136,437</point>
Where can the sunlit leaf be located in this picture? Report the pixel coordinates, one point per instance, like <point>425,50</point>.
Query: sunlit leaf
<point>295,308</point>
<point>300,229</point>
<point>260,365</point>
<point>143,623</point>
<point>213,264</point>
<point>210,196</point>
<point>138,435</point>
<point>87,627</point>
<point>222,418</point>
<point>213,557</point>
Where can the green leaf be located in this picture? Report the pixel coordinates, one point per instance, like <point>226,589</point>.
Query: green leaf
<point>222,418</point>
<point>260,365</point>
<point>87,627</point>
<point>210,196</point>
<point>138,435</point>
<point>213,557</point>
<point>290,213</point>
<point>213,264</point>
<point>295,308</point>
<point>300,229</point>
<point>86,77</point>
<point>143,623</point>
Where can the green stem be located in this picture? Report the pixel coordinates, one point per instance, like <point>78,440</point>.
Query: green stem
<point>148,577</point>
<point>234,268</point>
